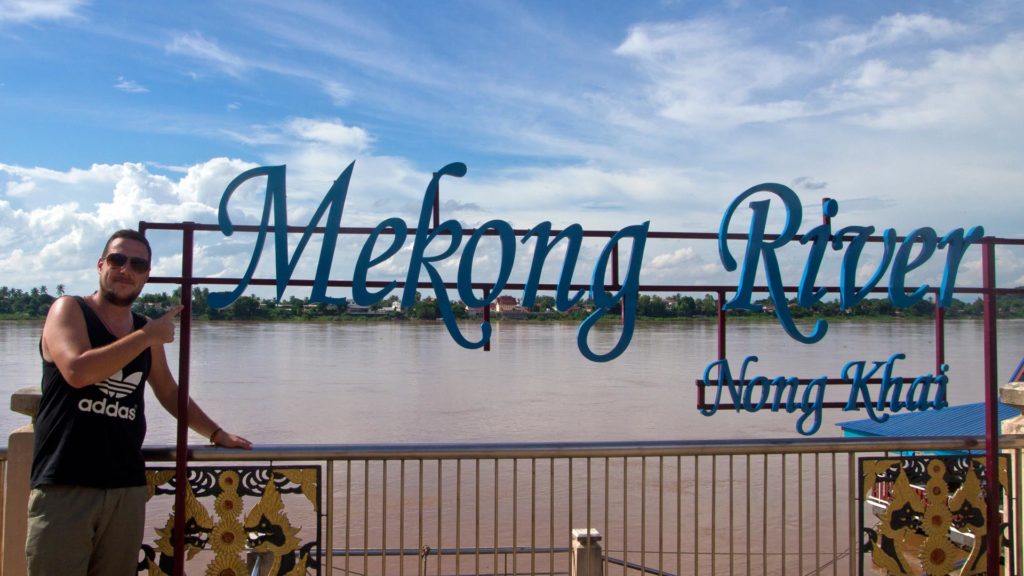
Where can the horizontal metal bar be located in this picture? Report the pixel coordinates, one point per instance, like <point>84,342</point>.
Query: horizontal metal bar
<point>635,566</point>
<point>548,287</point>
<point>826,405</point>
<point>517,231</point>
<point>362,230</point>
<point>378,552</point>
<point>306,452</point>
<point>805,381</point>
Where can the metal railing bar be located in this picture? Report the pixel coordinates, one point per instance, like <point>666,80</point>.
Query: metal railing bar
<point>497,482</point>
<point>401,517</point>
<point>764,515</point>
<point>634,566</point>
<point>571,495</point>
<point>817,511</point>
<point>661,511</point>
<point>515,513</point>
<point>799,513</point>
<point>696,513</point>
<point>476,525</point>
<point>542,286</point>
<point>747,531</point>
<point>714,510</point>
<point>835,525</point>
<point>421,567</point>
<point>377,552</point>
<point>329,536</point>
<point>532,516</point>
<point>731,533</point>
<point>625,509</point>
<point>782,489</point>
<point>551,509</point>
<point>458,515</point>
<point>384,513</point>
<point>643,511</point>
<point>606,507</point>
<point>324,452</point>
<point>852,503</point>
<point>589,523</point>
<point>679,513</point>
<point>440,512</point>
<point>366,514</point>
<point>348,510</point>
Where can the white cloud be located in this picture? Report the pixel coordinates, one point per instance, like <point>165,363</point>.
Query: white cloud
<point>331,132</point>
<point>19,189</point>
<point>58,241</point>
<point>203,184</point>
<point>710,74</point>
<point>980,86</point>
<point>339,94</point>
<point>132,87</point>
<point>673,259</point>
<point>197,46</point>
<point>22,11</point>
<point>891,30</point>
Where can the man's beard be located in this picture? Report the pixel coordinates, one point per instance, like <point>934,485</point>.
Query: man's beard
<point>116,300</point>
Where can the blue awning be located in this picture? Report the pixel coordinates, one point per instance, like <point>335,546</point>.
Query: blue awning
<point>963,420</point>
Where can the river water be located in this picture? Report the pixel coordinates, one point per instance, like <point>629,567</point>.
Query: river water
<point>405,382</point>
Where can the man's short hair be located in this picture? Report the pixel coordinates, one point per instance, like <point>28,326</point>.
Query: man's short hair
<point>130,235</point>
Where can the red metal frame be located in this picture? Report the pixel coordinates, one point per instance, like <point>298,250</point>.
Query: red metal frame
<point>988,291</point>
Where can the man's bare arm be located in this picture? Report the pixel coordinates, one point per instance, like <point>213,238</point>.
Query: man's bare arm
<point>66,343</point>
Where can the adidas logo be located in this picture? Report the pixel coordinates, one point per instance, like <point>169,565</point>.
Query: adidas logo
<point>114,409</point>
<point>116,387</point>
<point>119,386</point>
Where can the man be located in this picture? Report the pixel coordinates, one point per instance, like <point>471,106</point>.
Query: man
<point>87,506</point>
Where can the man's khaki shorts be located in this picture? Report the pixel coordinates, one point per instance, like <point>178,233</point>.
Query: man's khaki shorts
<point>79,531</point>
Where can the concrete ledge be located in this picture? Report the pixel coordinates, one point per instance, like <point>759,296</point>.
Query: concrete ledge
<point>26,401</point>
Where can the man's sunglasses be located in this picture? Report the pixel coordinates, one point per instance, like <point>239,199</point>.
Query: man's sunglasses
<point>117,260</point>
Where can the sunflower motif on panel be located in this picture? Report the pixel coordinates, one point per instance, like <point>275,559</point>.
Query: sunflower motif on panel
<point>938,555</point>
<point>228,537</point>
<point>226,566</point>
<point>229,481</point>
<point>228,505</point>
<point>936,520</point>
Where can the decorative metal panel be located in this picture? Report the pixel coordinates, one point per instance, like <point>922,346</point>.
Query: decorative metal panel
<point>235,511</point>
<point>928,512</point>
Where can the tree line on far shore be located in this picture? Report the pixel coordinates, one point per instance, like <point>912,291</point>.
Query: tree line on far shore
<point>34,303</point>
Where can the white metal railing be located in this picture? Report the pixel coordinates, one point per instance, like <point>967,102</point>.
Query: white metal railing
<point>700,507</point>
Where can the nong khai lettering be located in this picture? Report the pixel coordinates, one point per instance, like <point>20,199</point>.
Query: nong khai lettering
<point>753,394</point>
<point>432,245</point>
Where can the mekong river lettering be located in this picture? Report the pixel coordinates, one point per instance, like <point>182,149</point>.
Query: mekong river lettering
<point>761,252</point>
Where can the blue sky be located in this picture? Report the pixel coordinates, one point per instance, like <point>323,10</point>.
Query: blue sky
<point>602,113</point>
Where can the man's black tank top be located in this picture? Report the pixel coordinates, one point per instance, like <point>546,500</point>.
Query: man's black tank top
<point>92,436</point>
